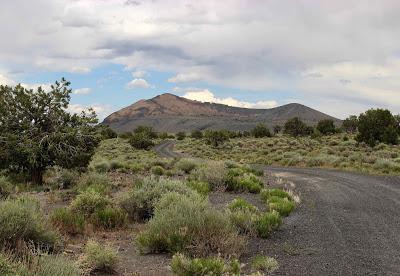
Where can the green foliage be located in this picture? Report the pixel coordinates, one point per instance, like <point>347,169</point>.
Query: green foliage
<point>243,215</point>
<point>268,193</point>
<point>350,124</point>
<point>106,132</point>
<point>37,132</point>
<point>100,257</point>
<point>146,130</point>
<point>109,218</point>
<point>278,200</point>
<point>214,173</point>
<point>141,140</point>
<point>94,182</point>
<point>157,170</point>
<point>89,202</point>
<point>67,221</point>
<point>140,202</point>
<point>22,220</point>
<point>186,165</point>
<point>277,129</point>
<point>184,266</point>
<point>268,222</point>
<point>216,138</point>
<point>51,265</point>
<point>6,187</point>
<point>196,134</point>
<point>264,263</point>
<point>239,180</point>
<point>260,131</point>
<point>201,187</point>
<point>282,205</point>
<point>377,125</point>
<point>188,224</point>
<point>180,135</point>
<point>295,127</point>
<point>326,127</point>
<point>66,179</point>
<point>35,265</point>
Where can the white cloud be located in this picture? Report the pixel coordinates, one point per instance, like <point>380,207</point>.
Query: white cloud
<point>139,74</point>
<point>138,84</point>
<point>80,70</point>
<point>207,96</point>
<point>82,91</point>
<point>101,110</point>
<point>306,47</point>
<point>188,77</point>
<point>4,80</point>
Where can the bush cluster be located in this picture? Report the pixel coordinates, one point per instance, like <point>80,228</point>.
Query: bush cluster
<point>99,257</point>
<point>250,221</point>
<point>141,200</point>
<point>22,220</point>
<point>184,223</point>
<point>278,200</point>
<point>184,266</point>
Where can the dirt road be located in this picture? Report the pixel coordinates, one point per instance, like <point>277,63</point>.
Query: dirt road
<point>166,149</point>
<point>347,224</point>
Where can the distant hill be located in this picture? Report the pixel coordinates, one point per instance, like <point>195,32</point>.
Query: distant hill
<point>171,113</point>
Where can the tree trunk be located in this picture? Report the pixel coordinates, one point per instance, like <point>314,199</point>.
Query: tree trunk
<point>37,176</point>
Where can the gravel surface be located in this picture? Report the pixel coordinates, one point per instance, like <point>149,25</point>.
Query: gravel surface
<point>347,224</point>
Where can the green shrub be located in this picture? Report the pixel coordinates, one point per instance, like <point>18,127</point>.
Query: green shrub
<point>5,187</point>
<point>109,217</point>
<point>180,135</point>
<point>201,187</point>
<point>264,263</point>
<point>186,165</point>
<point>187,223</point>
<point>239,181</point>
<point>102,166</point>
<point>51,265</point>
<point>243,215</point>
<point>267,193</point>
<point>141,141</point>
<point>267,223</point>
<point>282,205</point>
<point>214,173</point>
<point>239,204</point>
<point>95,182</point>
<point>326,127</point>
<point>10,268</point>
<point>157,170</point>
<point>140,202</point>
<point>89,202</point>
<point>261,131</point>
<point>196,134</point>
<point>184,266</point>
<point>100,257</point>
<point>22,220</point>
<point>278,200</point>
<point>67,221</point>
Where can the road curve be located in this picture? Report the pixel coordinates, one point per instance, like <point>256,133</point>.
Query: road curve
<point>347,223</point>
<point>166,149</point>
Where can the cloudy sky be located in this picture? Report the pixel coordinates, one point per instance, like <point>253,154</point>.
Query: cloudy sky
<point>341,57</point>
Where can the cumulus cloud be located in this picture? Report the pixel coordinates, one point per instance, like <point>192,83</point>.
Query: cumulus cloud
<point>138,84</point>
<point>80,70</point>
<point>139,74</point>
<point>82,91</point>
<point>303,46</point>
<point>101,110</point>
<point>188,77</point>
<point>207,96</point>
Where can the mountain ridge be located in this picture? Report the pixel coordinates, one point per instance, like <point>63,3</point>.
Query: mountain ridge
<point>171,113</point>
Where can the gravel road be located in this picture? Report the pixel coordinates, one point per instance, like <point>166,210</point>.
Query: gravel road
<point>346,224</point>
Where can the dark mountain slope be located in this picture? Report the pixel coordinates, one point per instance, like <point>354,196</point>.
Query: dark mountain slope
<point>171,113</point>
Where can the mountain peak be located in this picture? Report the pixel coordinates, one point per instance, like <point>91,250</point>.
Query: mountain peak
<point>171,113</point>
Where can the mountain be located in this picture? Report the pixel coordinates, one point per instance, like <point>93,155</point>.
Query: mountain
<point>171,113</point>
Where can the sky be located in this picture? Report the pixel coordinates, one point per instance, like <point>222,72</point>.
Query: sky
<point>340,57</point>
